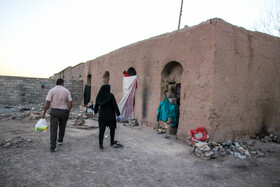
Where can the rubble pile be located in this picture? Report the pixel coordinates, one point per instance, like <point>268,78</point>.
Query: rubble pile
<point>15,142</point>
<point>242,149</point>
<point>79,120</point>
<point>239,149</point>
<point>30,111</point>
<point>34,115</point>
<point>267,138</point>
<point>130,123</point>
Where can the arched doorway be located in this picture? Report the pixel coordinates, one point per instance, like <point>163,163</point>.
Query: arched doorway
<point>106,77</point>
<point>131,71</point>
<point>127,103</point>
<point>89,79</point>
<point>171,77</point>
<point>87,91</point>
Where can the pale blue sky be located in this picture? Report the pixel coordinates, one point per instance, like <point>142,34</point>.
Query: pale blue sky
<point>41,37</point>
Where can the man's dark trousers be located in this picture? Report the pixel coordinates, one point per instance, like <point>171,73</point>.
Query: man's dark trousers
<point>58,119</point>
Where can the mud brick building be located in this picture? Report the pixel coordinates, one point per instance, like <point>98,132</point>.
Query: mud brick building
<point>225,78</point>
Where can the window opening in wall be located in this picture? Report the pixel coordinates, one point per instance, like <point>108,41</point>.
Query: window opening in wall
<point>168,111</point>
<point>87,91</point>
<point>106,77</point>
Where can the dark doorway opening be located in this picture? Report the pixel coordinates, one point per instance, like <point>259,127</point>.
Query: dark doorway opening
<point>87,91</point>
<point>170,97</point>
<point>131,71</point>
<point>106,77</point>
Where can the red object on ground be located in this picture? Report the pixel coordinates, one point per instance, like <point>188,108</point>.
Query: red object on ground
<point>199,129</point>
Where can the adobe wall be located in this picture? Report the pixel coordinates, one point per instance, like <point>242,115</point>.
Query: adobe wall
<point>230,80</point>
<point>77,72</point>
<point>246,83</point>
<point>22,90</point>
<point>193,48</point>
<point>71,73</point>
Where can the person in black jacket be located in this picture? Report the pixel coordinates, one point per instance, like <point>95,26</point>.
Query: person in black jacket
<point>107,106</point>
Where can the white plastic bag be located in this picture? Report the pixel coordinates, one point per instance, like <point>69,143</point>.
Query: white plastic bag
<point>41,125</point>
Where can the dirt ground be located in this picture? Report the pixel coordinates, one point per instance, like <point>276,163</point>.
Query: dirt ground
<point>147,159</point>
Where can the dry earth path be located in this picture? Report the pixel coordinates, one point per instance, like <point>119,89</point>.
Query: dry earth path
<point>147,159</point>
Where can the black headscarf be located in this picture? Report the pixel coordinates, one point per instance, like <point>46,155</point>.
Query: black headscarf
<point>104,95</point>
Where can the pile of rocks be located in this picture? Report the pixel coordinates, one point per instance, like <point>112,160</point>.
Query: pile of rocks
<point>30,111</point>
<point>239,149</point>
<point>79,120</point>
<point>83,120</point>
<point>15,142</point>
<point>267,138</point>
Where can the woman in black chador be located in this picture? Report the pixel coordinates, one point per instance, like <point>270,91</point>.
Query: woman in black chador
<point>107,106</point>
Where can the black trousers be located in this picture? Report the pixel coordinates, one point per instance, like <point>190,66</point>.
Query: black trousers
<point>102,128</point>
<point>58,119</point>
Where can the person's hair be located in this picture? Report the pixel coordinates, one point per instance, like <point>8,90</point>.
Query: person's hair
<point>59,81</point>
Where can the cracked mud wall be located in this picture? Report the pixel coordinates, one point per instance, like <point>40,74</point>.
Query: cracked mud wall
<point>230,80</point>
<point>193,48</point>
<point>197,78</point>
<point>246,83</point>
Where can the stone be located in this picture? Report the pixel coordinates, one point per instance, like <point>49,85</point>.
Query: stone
<point>222,153</point>
<point>238,155</point>
<point>259,153</point>
<point>253,152</point>
<point>200,144</point>
<point>215,155</point>
<point>208,153</point>
<point>133,122</point>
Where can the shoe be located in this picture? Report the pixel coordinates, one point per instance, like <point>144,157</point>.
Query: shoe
<point>101,146</point>
<point>114,142</point>
<point>59,143</point>
<point>53,150</point>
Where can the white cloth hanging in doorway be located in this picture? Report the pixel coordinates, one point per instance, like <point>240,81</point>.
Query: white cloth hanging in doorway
<point>126,104</point>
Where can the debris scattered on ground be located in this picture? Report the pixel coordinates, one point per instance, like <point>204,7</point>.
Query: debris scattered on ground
<point>133,122</point>
<point>79,120</point>
<point>31,111</point>
<point>37,115</point>
<point>130,123</point>
<point>169,136</point>
<point>198,135</point>
<point>267,138</point>
<point>14,142</point>
<point>205,150</point>
<point>34,112</point>
<point>240,149</point>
